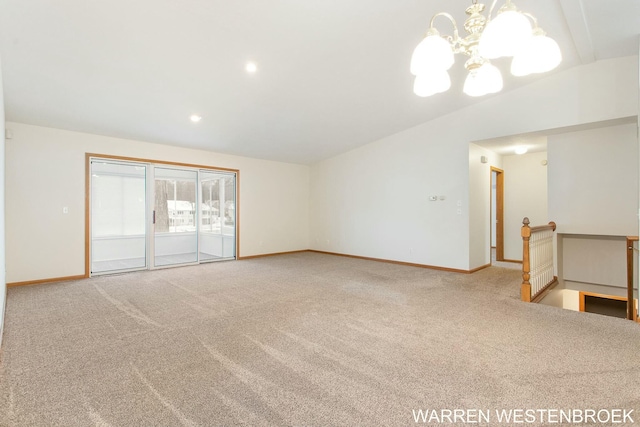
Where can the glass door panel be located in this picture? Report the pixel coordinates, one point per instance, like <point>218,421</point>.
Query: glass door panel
<point>175,217</point>
<point>218,217</point>
<point>118,217</point>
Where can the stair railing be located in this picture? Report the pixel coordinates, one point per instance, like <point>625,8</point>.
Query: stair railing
<point>537,261</point>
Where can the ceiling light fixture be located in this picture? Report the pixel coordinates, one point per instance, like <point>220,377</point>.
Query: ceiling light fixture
<point>251,67</point>
<point>195,118</point>
<point>521,149</point>
<point>509,34</point>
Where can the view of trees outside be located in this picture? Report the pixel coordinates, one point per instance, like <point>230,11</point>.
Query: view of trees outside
<point>167,191</point>
<point>176,206</point>
<point>212,192</point>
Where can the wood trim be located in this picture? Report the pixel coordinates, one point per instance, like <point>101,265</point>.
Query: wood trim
<point>525,288</point>
<point>431,267</point>
<point>482,267</point>
<point>525,292</point>
<point>51,280</point>
<point>583,294</point>
<point>631,312</point>
<point>550,226</point>
<point>499,212</point>
<point>87,197</point>
<point>515,261</point>
<point>4,318</point>
<point>87,215</point>
<point>237,208</point>
<point>409,264</point>
<point>160,162</point>
<point>244,258</point>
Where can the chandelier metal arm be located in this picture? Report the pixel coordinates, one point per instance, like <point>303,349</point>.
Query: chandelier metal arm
<point>456,34</point>
<point>493,5</point>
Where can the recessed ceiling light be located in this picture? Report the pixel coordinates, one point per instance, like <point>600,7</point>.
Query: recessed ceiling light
<point>195,118</point>
<point>251,67</point>
<point>521,150</point>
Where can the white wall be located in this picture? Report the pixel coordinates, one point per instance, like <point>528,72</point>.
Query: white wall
<point>479,203</point>
<point>525,195</point>
<point>593,260</point>
<point>46,171</point>
<point>593,181</point>
<point>3,285</point>
<point>374,200</point>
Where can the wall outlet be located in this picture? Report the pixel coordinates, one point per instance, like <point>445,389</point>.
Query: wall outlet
<point>65,210</point>
<point>433,198</point>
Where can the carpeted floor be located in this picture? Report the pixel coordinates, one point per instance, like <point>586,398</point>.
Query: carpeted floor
<point>303,339</point>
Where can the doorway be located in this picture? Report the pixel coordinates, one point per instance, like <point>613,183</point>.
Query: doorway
<point>497,214</point>
<point>145,215</point>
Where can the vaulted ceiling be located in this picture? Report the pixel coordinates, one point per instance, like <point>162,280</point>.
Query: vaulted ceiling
<point>332,74</point>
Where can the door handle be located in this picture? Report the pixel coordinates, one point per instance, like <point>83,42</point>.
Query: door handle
<point>154,217</point>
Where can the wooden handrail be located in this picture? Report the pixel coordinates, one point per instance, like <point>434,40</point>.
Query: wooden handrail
<point>631,312</point>
<point>525,288</point>
<point>551,226</point>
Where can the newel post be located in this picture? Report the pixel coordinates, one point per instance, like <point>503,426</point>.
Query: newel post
<point>525,289</point>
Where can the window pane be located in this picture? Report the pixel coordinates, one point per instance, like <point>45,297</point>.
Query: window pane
<point>118,216</point>
<point>176,240</point>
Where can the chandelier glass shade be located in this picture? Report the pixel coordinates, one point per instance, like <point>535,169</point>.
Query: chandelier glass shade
<point>483,80</point>
<point>432,82</point>
<point>511,33</point>
<point>433,52</point>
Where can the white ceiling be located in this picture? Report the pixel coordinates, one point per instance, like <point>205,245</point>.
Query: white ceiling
<point>332,74</point>
<point>505,146</point>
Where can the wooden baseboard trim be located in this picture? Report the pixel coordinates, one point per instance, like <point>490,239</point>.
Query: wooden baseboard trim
<point>408,264</point>
<point>243,258</point>
<point>515,261</point>
<point>482,267</point>
<point>51,280</point>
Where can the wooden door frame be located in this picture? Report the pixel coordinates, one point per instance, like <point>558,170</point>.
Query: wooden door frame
<point>499,210</point>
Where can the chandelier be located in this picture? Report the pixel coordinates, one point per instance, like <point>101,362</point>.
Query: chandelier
<point>509,34</point>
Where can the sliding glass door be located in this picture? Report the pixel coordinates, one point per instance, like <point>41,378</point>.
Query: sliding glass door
<point>153,216</point>
<point>218,215</point>
<point>175,222</point>
<point>118,216</point>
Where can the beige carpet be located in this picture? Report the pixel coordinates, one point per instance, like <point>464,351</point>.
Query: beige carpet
<point>302,339</point>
